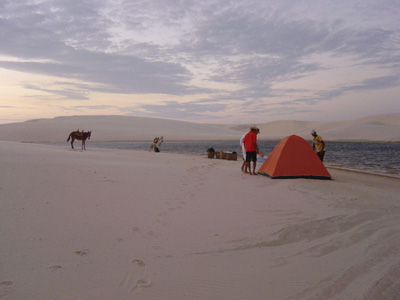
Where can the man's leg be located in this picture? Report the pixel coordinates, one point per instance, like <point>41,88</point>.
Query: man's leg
<point>254,168</point>
<point>247,164</point>
<point>246,167</point>
<point>321,155</point>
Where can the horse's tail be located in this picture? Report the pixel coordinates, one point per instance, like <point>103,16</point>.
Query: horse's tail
<point>69,137</point>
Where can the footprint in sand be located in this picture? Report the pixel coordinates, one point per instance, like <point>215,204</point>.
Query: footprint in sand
<point>138,262</point>
<point>5,288</point>
<point>141,283</point>
<point>133,279</point>
<point>6,283</point>
<point>82,252</point>
<point>54,268</point>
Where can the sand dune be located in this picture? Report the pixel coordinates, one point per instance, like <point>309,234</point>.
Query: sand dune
<point>111,128</point>
<point>374,128</point>
<point>120,224</point>
<point>122,128</point>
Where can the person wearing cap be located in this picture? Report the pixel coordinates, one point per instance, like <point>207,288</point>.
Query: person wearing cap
<point>250,144</point>
<point>318,145</point>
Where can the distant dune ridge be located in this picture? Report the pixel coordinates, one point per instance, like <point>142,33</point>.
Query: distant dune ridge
<point>126,128</point>
<point>373,128</point>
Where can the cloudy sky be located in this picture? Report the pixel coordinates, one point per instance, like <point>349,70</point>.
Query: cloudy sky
<point>202,61</point>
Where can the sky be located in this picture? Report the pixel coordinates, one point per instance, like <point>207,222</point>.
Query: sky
<point>233,62</point>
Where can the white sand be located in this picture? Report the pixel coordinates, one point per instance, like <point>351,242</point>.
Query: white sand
<point>119,224</point>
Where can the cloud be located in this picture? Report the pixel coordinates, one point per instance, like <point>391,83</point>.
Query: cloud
<point>117,74</point>
<point>229,54</point>
<point>370,84</point>
<point>70,41</point>
<point>63,93</point>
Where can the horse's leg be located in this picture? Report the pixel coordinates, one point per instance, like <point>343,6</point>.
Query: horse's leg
<point>72,142</point>
<point>83,144</point>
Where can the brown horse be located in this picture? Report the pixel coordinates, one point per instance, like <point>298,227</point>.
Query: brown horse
<point>81,136</point>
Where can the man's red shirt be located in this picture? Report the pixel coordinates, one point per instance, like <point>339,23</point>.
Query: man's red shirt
<point>249,141</point>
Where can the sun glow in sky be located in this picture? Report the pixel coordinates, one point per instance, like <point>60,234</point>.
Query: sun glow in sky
<point>201,61</point>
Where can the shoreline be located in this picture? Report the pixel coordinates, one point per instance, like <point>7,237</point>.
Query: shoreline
<point>196,155</point>
<point>192,155</point>
<point>363,172</point>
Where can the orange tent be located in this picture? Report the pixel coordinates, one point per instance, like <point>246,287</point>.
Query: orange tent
<point>293,157</point>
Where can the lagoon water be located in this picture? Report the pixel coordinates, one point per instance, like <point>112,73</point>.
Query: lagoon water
<point>376,158</point>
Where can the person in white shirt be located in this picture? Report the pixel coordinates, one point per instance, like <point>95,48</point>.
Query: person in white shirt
<point>241,147</point>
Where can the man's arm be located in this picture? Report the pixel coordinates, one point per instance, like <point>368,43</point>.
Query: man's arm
<point>255,142</point>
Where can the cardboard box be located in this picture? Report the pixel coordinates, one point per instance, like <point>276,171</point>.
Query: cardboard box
<point>211,154</point>
<point>231,156</point>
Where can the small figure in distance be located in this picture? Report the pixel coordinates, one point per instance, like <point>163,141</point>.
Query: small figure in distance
<point>318,145</point>
<point>155,145</point>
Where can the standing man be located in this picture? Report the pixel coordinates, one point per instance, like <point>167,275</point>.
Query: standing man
<point>318,145</point>
<point>243,149</point>
<point>250,144</point>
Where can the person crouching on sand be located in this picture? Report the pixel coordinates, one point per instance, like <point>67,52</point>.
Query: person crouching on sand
<point>250,144</point>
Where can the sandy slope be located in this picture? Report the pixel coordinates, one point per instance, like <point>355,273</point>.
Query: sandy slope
<point>374,128</point>
<point>120,128</point>
<point>111,128</point>
<point>119,224</point>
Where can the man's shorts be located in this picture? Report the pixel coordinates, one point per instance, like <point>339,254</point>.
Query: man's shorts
<point>251,156</point>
